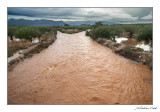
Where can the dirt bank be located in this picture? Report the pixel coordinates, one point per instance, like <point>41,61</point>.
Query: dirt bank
<point>77,70</point>
<point>33,49</point>
<point>128,51</point>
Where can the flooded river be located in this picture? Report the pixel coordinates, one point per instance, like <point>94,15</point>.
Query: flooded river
<point>77,70</point>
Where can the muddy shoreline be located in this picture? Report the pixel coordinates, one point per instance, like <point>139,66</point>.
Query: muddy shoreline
<point>30,51</point>
<point>128,51</point>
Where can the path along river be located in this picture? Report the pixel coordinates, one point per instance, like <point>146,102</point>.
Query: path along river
<point>77,70</point>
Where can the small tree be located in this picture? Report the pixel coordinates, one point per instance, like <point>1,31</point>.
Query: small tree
<point>27,33</point>
<point>43,29</point>
<point>97,24</point>
<point>11,31</point>
<point>113,33</point>
<point>66,24</point>
<point>145,34</point>
<point>130,29</point>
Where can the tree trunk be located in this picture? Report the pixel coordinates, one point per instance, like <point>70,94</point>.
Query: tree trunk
<point>131,35</point>
<point>11,38</point>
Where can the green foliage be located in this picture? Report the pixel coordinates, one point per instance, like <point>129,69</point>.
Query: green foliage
<point>87,33</point>
<point>129,28</point>
<point>43,29</point>
<point>13,49</point>
<point>82,27</point>
<point>101,31</point>
<point>145,34</point>
<point>11,31</point>
<point>27,33</point>
<point>97,24</point>
<point>110,31</point>
<point>129,49</point>
<point>66,24</point>
<point>104,31</point>
<point>140,49</point>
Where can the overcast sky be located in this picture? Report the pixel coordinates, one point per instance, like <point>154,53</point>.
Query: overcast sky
<point>83,14</point>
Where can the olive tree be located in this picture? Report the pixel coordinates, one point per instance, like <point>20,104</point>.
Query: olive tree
<point>11,31</point>
<point>27,33</point>
<point>97,24</point>
<point>66,24</point>
<point>145,34</point>
<point>129,28</point>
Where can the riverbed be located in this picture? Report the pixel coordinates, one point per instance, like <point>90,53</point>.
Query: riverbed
<point>77,70</point>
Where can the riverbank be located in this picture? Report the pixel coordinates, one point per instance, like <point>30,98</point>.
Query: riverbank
<point>20,55</point>
<point>128,51</point>
<point>70,31</point>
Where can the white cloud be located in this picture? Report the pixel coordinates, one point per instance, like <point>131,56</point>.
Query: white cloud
<point>148,17</point>
<point>83,14</point>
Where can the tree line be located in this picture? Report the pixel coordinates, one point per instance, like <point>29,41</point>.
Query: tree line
<point>143,32</point>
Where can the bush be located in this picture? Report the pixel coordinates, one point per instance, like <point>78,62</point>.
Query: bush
<point>27,33</point>
<point>87,33</point>
<point>66,24</point>
<point>11,31</point>
<point>145,34</point>
<point>13,49</point>
<point>97,24</point>
<point>43,29</point>
<point>130,28</point>
<point>101,31</point>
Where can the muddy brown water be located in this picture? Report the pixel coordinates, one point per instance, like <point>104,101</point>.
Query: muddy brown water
<point>77,70</point>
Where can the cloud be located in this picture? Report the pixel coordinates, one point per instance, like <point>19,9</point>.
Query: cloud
<point>82,14</point>
<point>148,17</point>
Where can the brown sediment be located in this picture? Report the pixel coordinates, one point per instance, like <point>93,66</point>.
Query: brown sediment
<point>77,70</point>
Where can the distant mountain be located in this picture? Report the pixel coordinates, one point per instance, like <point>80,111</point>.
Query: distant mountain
<point>89,22</point>
<point>80,22</point>
<point>50,22</point>
<point>34,22</point>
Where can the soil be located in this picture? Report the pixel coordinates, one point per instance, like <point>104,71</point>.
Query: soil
<point>27,53</point>
<point>128,50</point>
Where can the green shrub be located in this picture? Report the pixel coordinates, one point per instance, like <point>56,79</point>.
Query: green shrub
<point>11,31</point>
<point>97,24</point>
<point>87,33</point>
<point>13,49</point>
<point>101,31</point>
<point>43,29</point>
<point>27,33</point>
<point>145,34</point>
<point>66,24</point>
<point>129,28</point>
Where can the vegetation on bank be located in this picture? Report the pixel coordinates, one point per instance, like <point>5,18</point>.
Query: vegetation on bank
<point>145,34</point>
<point>142,32</point>
<point>105,35</point>
<point>27,33</point>
<point>13,49</point>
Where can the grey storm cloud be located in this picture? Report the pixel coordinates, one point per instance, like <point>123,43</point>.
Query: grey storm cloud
<point>82,14</point>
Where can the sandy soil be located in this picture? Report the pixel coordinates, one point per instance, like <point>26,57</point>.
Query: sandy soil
<point>77,70</point>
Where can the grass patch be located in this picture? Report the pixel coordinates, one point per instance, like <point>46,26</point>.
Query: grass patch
<point>13,49</point>
<point>148,62</point>
<point>70,31</point>
<point>129,48</point>
<point>116,45</point>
